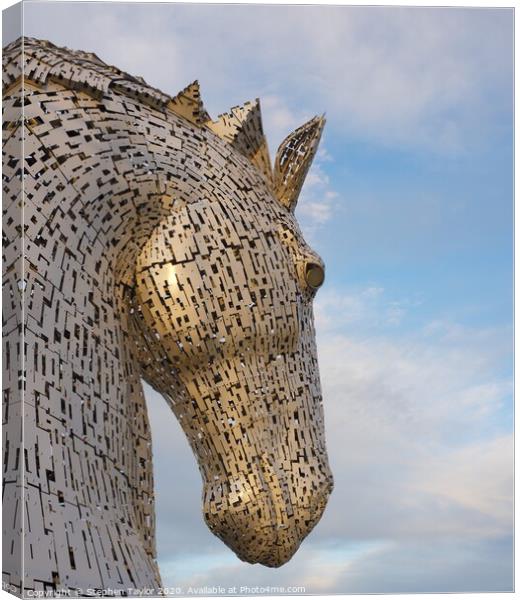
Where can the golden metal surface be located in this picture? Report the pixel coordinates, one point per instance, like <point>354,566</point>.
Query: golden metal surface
<point>157,244</point>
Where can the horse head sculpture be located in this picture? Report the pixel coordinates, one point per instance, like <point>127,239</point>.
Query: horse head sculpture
<point>158,244</point>
<point>224,287</point>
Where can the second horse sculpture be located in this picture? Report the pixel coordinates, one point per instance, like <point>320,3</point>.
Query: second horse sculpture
<point>161,244</point>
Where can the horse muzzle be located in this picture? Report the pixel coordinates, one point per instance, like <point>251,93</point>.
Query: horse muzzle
<point>266,525</point>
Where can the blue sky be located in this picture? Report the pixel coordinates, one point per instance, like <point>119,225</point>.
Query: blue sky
<point>410,204</point>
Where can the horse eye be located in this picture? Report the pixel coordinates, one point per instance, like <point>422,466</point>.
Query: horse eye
<point>314,275</point>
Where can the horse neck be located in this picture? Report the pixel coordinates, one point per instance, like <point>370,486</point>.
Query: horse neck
<point>89,450</point>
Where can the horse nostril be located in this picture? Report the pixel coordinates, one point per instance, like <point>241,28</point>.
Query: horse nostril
<point>314,275</point>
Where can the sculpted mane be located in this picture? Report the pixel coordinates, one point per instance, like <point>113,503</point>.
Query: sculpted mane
<point>40,61</point>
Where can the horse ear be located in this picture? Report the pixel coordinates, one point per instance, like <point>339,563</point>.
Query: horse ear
<point>188,104</point>
<point>293,160</point>
<point>242,128</point>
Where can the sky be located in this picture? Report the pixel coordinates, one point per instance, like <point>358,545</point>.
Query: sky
<point>410,204</point>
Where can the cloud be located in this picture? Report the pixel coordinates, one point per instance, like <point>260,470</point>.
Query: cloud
<point>440,565</point>
<point>430,78</point>
<point>367,308</point>
<point>318,569</point>
<point>476,477</point>
<point>318,201</point>
<point>279,119</point>
<point>418,426</point>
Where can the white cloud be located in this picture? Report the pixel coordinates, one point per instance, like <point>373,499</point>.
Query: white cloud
<point>414,430</point>
<point>279,119</point>
<point>367,307</point>
<point>400,76</point>
<point>319,568</point>
<point>318,201</point>
<point>477,477</point>
<point>440,565</point>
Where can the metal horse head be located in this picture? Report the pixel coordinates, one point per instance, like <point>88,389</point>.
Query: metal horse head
<point>224,329</point>
<point>157,244</point>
